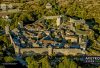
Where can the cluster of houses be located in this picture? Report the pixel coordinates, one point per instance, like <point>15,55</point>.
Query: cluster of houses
<point>72,35</point>
<point>9,8</point>
<point>36,36</point>
<point>5,7</point>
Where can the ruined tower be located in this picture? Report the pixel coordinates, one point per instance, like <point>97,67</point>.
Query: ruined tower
<point>50,51</point>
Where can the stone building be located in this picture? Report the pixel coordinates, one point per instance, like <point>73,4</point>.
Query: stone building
<point>10,6</point>
<point>4,15</point>
<point>3,7</point>
<point>72,38</point>
<point>48,6</point>
<point>68,32</point>
<point>47,32</point>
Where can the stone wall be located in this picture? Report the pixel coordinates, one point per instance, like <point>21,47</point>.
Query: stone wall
<point>67,51</point>
<point>35,50</point>
<point>48,51</point>
<point>51,51</point>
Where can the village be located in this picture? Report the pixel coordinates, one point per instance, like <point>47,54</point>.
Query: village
<point>60,33</point>
<point>49,33</point>
<point>69,38</point>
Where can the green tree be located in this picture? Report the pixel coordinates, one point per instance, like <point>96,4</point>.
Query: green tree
<point>98,66</point>
<point>1,66</point>
<point>61,65</point>
<point>73,64</point>
<point>31,63</point>
<point>71,10</point>
<point>98,39</point>
<point>9,59</point>
<point>78,27</point>
<point>45,62</point>
<point>67,63</point>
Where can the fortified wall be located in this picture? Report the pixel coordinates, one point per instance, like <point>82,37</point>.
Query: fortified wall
<point>49,51</point>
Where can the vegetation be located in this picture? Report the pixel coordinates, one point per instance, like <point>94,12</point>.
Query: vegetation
<point>9,59</point>
<point>56,62</point>
<point>73,8</point>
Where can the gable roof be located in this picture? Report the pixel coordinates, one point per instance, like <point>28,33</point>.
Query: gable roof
<point>3,14</point>
<point>47,38</point>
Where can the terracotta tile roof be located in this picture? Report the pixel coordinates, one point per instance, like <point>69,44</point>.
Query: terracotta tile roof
<point>3,14</point>
<point>47,42</point>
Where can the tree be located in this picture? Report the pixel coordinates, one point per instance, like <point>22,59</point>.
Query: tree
<point>78,27</point>
<point>1,66</point>
<point>73,64</point>
<point>61,65</point>
<point>31,63</point>
<point>9,59</point>
<point>98,39</point>
<point>71,10</point>
<point>45,62</point>
<point>98,66</point>
<point>67,63</point>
